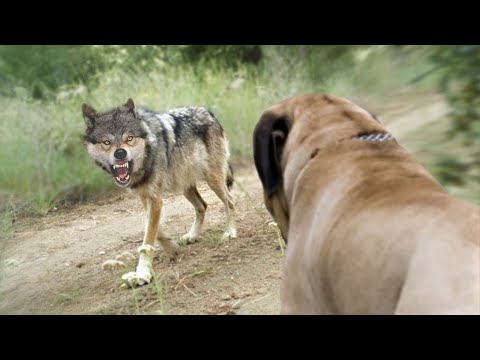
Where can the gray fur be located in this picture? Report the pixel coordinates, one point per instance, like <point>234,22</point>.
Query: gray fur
<point>173,139</point>
<point>165,152</point>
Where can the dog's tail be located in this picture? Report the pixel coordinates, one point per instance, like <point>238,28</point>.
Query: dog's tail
<point>230,179</point>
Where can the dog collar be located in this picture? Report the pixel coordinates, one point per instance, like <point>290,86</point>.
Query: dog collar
<point>375,137</point>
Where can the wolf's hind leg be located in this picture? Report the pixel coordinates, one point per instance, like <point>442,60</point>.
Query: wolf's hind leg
<point>217,182</point>
<point>200,206</point>
<point>168,245</point>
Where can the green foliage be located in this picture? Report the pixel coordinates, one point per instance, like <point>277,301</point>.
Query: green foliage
<point>44,70</point>
<point>226,55</point>
<point>43,162</point>
<point>460,82</point>
<point>42,157</point>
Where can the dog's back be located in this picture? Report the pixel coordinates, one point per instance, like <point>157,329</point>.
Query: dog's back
<point>384,233</point>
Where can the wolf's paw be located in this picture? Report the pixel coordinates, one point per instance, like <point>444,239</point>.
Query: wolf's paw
<point>229,234</point>
<point>137,278</point>
<point>171,249</point>
<point>189,238</point>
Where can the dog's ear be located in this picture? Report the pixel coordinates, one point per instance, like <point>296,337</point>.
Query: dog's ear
<point>89,115</point>
<point>269,138</point>
<point>130,105</point>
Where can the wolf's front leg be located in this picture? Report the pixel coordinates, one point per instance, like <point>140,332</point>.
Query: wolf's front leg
<point>144,272</point>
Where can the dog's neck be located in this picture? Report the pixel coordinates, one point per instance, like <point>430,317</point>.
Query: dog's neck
<point>297,166</point>
<point>374,137</point>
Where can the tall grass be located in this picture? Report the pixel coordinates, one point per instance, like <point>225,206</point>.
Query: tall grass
<point>42,157</point>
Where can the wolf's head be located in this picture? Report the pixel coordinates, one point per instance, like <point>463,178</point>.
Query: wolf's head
<point>115,140</point>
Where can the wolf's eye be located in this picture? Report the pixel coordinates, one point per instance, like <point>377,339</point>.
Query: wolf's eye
<point>106,142</point>
<point>130,138</point>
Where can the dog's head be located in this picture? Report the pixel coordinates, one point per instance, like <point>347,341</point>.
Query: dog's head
<point>115,140</point>
<point>291,133</point>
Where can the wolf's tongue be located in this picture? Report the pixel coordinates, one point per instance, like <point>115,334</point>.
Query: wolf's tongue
<point>122,172</point>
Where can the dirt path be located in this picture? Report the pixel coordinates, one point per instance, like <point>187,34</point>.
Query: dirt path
<point>52,265</point>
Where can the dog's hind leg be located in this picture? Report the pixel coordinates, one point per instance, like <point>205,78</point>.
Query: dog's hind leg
<point>216,181</point>
<point>144,271</point>
<point>200,206</point>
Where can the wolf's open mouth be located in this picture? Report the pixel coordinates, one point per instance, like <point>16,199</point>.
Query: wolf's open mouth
<point>122,171</point>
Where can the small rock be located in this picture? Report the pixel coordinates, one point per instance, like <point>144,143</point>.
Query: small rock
<point>230,312</point>
<point>79,264</point>
<point>67,264</point>
<point>11,263</point>
<point>125,256</point>
<point>112,264</point>
<point>102,252</point>
<point>236,305</point>
<point>120,210</point>
<point>226,297</point>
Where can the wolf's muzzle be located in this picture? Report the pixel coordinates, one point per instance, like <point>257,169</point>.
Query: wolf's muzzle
<point>120,154</point>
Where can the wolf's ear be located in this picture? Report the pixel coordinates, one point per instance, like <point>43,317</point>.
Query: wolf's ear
<point>130,105</point>
<point>269,138</point>
<point>89,114</point>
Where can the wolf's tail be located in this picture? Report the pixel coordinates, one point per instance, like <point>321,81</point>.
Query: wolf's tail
<point>230,179</point>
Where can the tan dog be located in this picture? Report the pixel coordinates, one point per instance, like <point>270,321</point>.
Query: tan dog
<point>369,230</point>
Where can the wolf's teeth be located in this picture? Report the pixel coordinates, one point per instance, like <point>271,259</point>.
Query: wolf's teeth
<point>115,166</point>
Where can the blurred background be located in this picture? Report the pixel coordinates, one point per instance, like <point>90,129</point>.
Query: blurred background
<point>427,96</point>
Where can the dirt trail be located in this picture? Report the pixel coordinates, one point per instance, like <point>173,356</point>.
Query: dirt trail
<point>52,265</point>
<point>55,261</point>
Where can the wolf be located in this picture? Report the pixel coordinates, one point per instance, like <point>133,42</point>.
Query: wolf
<point>153,153</point>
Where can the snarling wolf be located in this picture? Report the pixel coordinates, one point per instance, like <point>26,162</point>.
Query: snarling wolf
<point>153,153</point>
